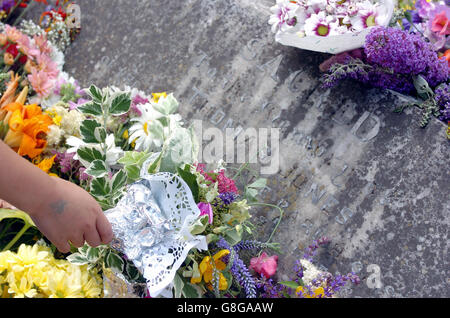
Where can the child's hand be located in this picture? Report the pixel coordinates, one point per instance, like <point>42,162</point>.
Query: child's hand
<point>71,214</point>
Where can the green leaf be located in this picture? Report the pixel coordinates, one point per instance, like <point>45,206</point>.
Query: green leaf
<point>16,214</point>
<point>134,158</point>
<point>77,259</point>
<point>259,184</point>
<point>115,262</point>
<point>92,254</point>
<point>166,106</point>
<point>178,285</point>
<point>118,181</point>
<point>191,291</point>
<point>97,169</point>
<point>233,236</point>
<point>289,284</point>
<point>191,181</point>
<point>87,130</point>
<point>100,134</point>
<point>96,93</point>
<point>200,225</point>
<point>131,271</point>
<point>120,105</point>
<point>100,187</point>
<point>133,173</point>
<point>88,155</point>
<point>91,108</point>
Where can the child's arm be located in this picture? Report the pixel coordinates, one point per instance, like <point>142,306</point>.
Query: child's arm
<point>61,210</point>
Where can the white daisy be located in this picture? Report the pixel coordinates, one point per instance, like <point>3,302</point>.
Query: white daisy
<point>283,16</point>
<point>147,132</point>
<point>321,25</point>
<point>369,15</point>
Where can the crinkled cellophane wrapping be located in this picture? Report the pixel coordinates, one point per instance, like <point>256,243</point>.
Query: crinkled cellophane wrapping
<point>151,225</point>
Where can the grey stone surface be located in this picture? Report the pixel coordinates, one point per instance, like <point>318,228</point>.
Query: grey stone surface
<point>351,169</point>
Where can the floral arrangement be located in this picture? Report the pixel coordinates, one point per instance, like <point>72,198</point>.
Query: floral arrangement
<point>116,143</point>
<point>406,51</point>
<point>331,26</point>
<point>410,57</point>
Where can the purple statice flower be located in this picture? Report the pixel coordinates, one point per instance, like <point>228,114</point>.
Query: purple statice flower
<point>442,97</point>
<point>7,5</point>
<point>239,270</point>
<point>66,162</point>
<point>402,53</point>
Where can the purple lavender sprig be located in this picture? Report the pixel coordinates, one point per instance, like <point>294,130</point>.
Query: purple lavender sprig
<point>239,270</point>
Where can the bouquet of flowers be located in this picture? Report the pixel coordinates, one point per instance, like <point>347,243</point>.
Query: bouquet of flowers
<point>330,26</point>
<point>180,229</point>
<point>410,57</point>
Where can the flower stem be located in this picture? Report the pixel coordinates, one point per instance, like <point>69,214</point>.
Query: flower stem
<point>17,237</point>
<point>279,221</point>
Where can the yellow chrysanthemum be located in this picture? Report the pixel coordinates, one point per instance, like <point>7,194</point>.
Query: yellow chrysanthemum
<point>29,256</point>
<point>61,285</point>
<point>21,286</point>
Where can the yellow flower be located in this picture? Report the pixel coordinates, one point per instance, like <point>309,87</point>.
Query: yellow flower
<point>125,134</point>
<point>207,270</point>
<point>46,164</point>
<point>21,286</point>
<point>157,96</point>
<point>317,293</point>
<point>29,256</point>
<point>91,285</point>
<point>62,285</point>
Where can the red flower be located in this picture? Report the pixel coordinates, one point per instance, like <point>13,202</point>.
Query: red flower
<point>264,264</point>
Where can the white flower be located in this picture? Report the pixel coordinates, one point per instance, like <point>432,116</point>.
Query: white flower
<point>321,25</point>
<point>54,136</point>
<point>113,153</point>
<point>368,15</point>
<point>310,272</point>
<point>283,16</point>
<point>147,132</point>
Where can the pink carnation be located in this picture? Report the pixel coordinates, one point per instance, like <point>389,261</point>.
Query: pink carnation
<point>40,82</point>
<point>206,209</point>
<point>264,264</point>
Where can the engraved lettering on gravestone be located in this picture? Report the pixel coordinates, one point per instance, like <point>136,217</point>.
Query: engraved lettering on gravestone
<point>307,225</point>
<point>217,117</point>
<point>211,73</point>
<point>336,250</point>
<point>271,67</point>
<point>300,180</point>
<point>337,176</point>
<point>389,291</point>
<point>344,114</point>
<point>251,50</point>
<point>294,81</point>
<point>316,195</point>
<point>330,201</point>
<point>357,267</point>
<point>374,279</point>
<point>344,216</point>
<point>322,148</point>
<point>318,234</point>
<point>227,79</point>
<point>198,93</point>
<point>370,130</point>
<point>201,59</point>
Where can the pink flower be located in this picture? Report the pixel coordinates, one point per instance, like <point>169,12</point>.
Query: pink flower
<point>42,43</point>
<point>40,82</point>
<point>48,66</point>
<point>441,24</point>
<point>264,264</point>
<point>226,184</point>
<point>206,209</point>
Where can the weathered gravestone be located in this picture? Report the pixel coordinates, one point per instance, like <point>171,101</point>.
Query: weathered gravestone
<point>349,168</point>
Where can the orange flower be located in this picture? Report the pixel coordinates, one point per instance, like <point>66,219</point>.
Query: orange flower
<point>46,164</point>
<point>28,128</point>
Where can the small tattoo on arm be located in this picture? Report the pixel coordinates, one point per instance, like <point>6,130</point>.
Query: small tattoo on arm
<point>58,206</point>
